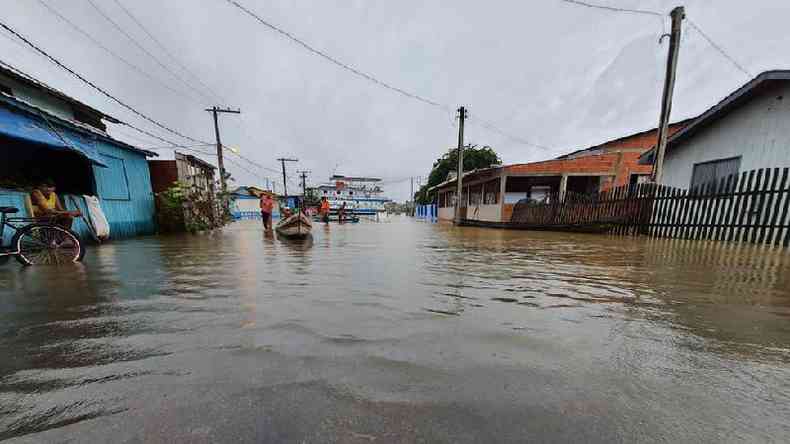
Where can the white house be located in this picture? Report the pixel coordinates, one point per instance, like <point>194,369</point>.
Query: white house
<point>747,130</point>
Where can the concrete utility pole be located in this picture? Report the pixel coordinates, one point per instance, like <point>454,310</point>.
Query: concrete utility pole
<point>285,186</point>
<point>413,203</point>
<point>677,14</point>
<point>460,170</point>
<point>215,110</point>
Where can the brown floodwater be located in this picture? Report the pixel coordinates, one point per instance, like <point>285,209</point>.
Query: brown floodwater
<point>398,331</point>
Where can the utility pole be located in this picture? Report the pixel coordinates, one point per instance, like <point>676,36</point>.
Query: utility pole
<point>215,110</point>
<point>460,170</point>
<point>413,204</point>
<point>303,174</point>
<point>285,179</point>
<point>677,14</point>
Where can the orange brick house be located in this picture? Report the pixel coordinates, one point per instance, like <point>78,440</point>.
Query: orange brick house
<point>490,193</point>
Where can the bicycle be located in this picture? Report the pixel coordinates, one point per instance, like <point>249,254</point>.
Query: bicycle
<point>38,241</point>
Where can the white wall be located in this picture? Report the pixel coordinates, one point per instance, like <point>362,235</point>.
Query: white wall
<point>446,213</point>
<point>488,213</point>
<point>758,131</point>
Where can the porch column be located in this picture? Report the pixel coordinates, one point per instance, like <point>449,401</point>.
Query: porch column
<point>502,188</point>
<point>563,186</point>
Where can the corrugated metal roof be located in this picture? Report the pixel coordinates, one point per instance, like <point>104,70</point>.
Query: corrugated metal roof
<point>38,113</point>
<point>29,80</point>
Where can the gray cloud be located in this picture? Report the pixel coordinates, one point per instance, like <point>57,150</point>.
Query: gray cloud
<point>556,74</point>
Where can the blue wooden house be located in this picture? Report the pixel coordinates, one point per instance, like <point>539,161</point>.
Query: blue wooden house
<point>44,134</point>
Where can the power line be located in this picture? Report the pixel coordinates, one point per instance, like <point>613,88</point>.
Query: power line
<point>333,60</point>
<point>110,52</point>
<point>162,139</point>
<point>696,27</point>
<point>719,49</point>
<point>488,125</point>
<point>492,127</point>
<point>165,50</point>
<point>94,86</point>
<point>613,8</point>
<point>142,48</point>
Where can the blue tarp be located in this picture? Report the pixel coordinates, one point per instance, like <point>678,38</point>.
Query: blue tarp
<point>21,126</point>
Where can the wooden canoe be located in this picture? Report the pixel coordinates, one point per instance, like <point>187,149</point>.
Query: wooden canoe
<point>297,226</point>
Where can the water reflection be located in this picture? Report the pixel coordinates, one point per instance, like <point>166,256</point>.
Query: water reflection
<point>586,326</point>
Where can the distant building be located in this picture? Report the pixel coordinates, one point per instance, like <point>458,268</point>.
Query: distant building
<point>745,131</point>
<point>362,195</point>
<point>491,193</point>
<point>201,207</point>
<point>45,134</point>
<point>245,203</point>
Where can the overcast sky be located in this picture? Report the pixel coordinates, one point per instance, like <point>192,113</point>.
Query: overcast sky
<point>561,76</point>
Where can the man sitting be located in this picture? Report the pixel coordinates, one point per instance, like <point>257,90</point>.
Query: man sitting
<point>46,205</point>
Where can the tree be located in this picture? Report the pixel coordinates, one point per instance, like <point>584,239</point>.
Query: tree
<point>474,158</point>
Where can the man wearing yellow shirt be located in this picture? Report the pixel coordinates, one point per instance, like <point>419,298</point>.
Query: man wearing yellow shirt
<point>47,205</point>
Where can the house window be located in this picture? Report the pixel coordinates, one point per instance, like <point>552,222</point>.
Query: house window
<point>112,182</point>
<point>711,173</point>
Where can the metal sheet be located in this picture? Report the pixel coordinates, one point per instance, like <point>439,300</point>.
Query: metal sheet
<point>24,127</point>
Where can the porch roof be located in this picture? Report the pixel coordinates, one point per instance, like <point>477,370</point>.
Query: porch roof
<point>26,128</point>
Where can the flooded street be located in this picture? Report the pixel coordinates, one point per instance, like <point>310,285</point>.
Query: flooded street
<point>398,331</point>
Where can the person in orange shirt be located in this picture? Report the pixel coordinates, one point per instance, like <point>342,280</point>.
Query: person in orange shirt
<point>267,205</point>
<point>325,209</point>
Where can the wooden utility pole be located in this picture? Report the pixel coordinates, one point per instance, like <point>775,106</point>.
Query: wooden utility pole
<point>285,179</point>
<point>303,174</point>
<point>215,110</point>
<point>460,170</point>
<point>677,14</point>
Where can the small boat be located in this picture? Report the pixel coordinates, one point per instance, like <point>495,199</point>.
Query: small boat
<point>334,218</point>
<point>297,226</point>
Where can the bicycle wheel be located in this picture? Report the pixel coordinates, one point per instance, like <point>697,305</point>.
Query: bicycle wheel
<point>42,244</point>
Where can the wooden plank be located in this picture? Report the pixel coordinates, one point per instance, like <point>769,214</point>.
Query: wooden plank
<point>763,211</point>
<point>621,209</point>
<point>737,207</point>
<point>646,191</point>
<point>707,209</point>
<point>705,201</point>
<point>768,210</point>
<point>713,211</point>
<point>689,224</point>
<point>682,214</point>
<point>668,221</point>
<point>744,210</point>
<point>629,200</point>
<point>753,201</point>
<point>781,193</point>
<point>726,209</point>
<point>662,202</point>
<point>678,199</point>
<point>655,221</point>
<point>639,211</point>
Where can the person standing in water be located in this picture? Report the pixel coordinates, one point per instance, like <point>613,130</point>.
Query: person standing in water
<point>324,209</point>
<point>267,205</point>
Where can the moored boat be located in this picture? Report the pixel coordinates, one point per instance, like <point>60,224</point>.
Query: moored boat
<point>297,226</point>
